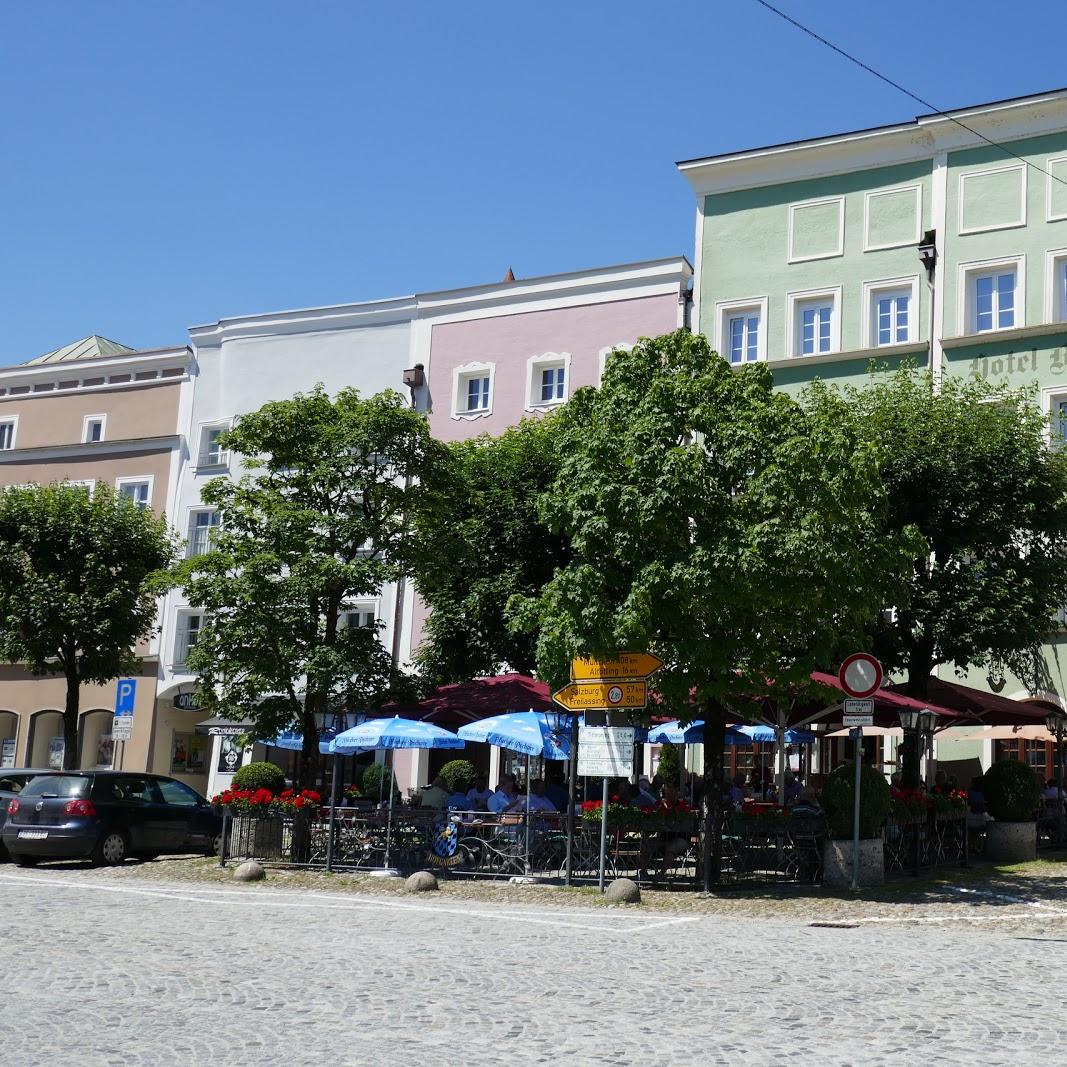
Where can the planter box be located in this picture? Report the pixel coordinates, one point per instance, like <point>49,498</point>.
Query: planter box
<point>1011,842</point>
<point>837,863</point>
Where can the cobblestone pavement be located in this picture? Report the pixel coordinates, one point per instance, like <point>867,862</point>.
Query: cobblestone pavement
<point>104,970</point>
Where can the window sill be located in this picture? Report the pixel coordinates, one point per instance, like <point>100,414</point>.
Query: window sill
<point>1017,333</point>
<point>208,468</point>
<point>468,416</point>
<point>913,348</point>
<point>545,405</point>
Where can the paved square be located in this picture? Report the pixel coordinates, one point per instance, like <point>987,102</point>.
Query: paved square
<point>106,971</point>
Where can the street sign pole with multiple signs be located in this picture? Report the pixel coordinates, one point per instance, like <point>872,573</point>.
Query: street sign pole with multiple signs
<point>122,721</point>
<point>610,684</point>
<point>860,677</point>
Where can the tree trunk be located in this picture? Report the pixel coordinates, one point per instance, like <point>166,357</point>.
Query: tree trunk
<point>714,715</point>
<point>308,767</point>
<point>70,717</point>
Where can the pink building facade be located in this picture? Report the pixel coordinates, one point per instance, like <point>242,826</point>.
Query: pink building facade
<point>496,354</point>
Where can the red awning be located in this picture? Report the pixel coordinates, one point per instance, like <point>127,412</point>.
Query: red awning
<point>989,709</point>
<point>477,699</point>
<point>888,702</point>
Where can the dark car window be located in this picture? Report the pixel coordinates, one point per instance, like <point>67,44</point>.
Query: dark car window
<point>59,785</point>
<point>177,793</point>
<point>12,784</point>
<point>140,790</point>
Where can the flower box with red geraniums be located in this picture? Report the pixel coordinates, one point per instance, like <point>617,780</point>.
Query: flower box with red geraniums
<point>621,815</point>
<point>948,803</point>
<point>908,805</point>
<point>264,802</point>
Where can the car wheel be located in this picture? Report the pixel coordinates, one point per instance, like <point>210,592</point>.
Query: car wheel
<point>26,861</point>
<point>110,850</point>
<point>216,846</point>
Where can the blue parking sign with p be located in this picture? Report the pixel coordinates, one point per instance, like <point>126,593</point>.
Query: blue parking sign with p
<point>124,696</point>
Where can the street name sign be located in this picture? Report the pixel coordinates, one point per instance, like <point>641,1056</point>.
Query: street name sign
<point>606,751</point>
<point>859,711</point>
<point>636,665</point>
<point>122,723</point>
<point>580,696</point>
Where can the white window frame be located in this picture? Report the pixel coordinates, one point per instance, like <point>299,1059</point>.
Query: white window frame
<point>13,422</point>
<point>1055,274</point>
<point>1049,216</point>
<point>967,313</point>
<point>793,301</point>
<point>361,608</point>
<point>1051,398</point>
<point>840,201</point>
<point>889,286</point>
<point>534,366</point>
<point>102,419</point>
<point>460,376</point>
<point>726,310</point>
<point>984,172</point>
<point>602,357</point>
<point>191,526</point>
<point>180,651</point>
<point>873,194</point>
<point>88,483</point>
<point>201,453</point>
<point>142,479</point>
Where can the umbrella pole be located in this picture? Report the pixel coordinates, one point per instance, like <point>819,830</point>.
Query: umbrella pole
<point>389,817</point>
<point>527,813</point>
<point>335,789</point>
<point>779,738</point>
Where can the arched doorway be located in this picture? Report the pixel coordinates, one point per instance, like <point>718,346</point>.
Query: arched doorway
<point>9,732</point>
<point>46,740</point>
<point>94,735</point>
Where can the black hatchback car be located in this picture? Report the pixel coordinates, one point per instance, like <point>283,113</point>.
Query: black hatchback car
<point>12,782</point>
<point>106,816</point>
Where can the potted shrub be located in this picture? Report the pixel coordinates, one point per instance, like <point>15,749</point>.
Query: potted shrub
<point>838,800</point>
<point>459,775</point>
<point>1013,792</point>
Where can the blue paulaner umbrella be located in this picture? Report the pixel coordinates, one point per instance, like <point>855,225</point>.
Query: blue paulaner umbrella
<point>528,732</point>
<point>390,734</point>
<point>760,733</point>
<point>293,741</point>
<point>674,733</point>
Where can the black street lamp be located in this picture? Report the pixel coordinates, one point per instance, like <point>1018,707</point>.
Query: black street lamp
<point>1054,722</point>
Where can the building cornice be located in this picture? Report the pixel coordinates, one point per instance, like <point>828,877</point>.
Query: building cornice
<point>394,311</point>
<point>655,277</point>
<point>1020,333</point>
<point>885,352</point>
<point>907,142</point>
<point>131,364</point>
<point>133,446</point>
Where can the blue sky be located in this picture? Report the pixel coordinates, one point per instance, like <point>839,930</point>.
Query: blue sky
<point>166,164</point>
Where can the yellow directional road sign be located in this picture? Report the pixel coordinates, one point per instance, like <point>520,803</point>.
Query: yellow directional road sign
<point>582,696</point>
<point>624,665</point>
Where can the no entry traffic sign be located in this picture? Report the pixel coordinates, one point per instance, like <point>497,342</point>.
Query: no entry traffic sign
<point>860,675</point>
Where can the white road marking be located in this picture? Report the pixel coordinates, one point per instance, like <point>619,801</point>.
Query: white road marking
<point>213,895</point>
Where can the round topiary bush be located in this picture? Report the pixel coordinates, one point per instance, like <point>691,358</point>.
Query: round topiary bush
<point>1012,791</point>
<point>459,774</point>
<point>838,798</point>
<point>371,782</point>
<point>260,776</point>
<point>669,766</point>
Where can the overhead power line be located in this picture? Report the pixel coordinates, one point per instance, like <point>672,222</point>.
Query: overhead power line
<point>907,92</point>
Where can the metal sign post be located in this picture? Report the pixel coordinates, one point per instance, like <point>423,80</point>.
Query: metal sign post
<point>603,834</point>
<point>857,737</point>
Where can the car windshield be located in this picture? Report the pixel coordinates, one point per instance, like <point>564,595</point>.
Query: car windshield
<point>57,785</point>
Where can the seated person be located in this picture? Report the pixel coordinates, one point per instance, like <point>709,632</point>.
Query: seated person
<point>643,796</point>
<point>435,796</point>
<point>808,803</point>
<point>793,789</point>
<point>737,790</point>
<point>458,801</point>
<point>505,798</point>
<point>479,793</point>
<point>538,800</point>
<point>557,793</point>
<point>1050,791</point>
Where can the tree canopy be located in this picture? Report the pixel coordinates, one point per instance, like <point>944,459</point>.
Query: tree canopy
<point>482,545</point>
<point>969,466</point>
<point>320,521</point>
<point>80,573</point>
<point>717,524</point>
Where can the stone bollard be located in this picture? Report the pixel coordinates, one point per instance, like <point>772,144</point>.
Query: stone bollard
<point>623,891</point>
<point>421,882</point>
<point>249,871</point>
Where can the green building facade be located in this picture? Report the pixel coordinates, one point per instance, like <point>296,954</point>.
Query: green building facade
<point>808,257</point>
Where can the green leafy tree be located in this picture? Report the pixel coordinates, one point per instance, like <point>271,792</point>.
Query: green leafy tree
<point>969,466</point>
<point>321,520</point>
<point>716,524</point>
<point>80,574</point>
<point>483,545</point>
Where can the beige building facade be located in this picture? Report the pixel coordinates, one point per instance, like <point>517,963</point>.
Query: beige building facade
<point>92,412</point>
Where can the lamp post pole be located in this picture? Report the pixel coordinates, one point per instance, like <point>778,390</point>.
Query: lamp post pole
<point>1055,723</point>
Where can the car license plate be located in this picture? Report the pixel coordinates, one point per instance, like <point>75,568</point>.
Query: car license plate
<point>32,835</point>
